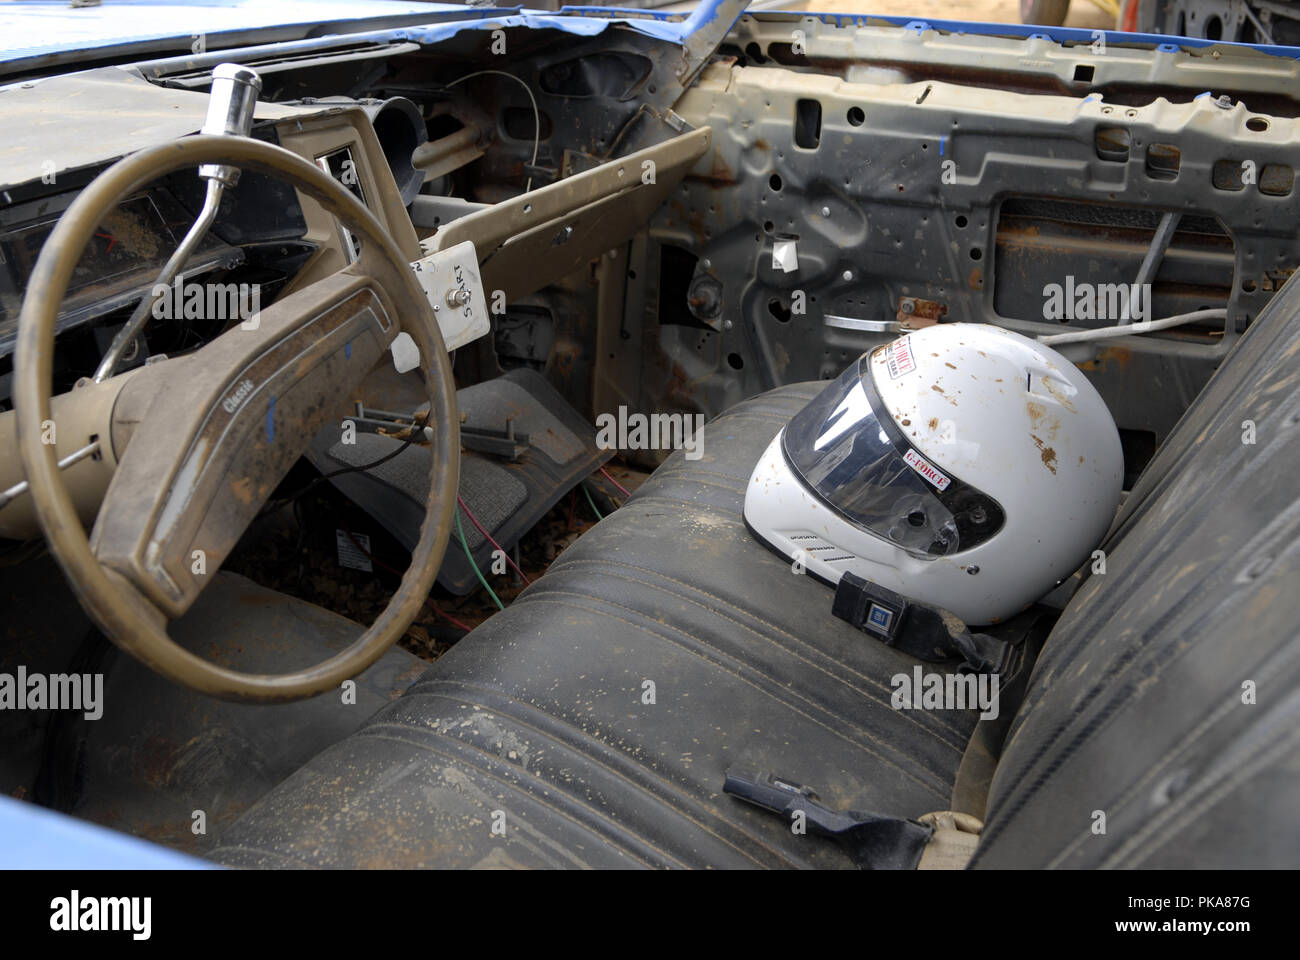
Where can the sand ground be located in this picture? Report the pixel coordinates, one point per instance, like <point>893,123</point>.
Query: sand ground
<point>1083,13</point>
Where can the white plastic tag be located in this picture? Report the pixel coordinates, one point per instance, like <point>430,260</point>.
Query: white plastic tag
<point>353,550</point>
<point>406,355</point>
<point>785,256</point>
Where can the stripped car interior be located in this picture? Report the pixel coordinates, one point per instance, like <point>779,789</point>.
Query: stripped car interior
<point>447,247</point>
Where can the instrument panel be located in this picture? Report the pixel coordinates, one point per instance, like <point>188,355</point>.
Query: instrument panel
<point>119,265</point>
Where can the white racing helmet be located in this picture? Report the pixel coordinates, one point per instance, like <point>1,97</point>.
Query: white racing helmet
<point>963,466</point>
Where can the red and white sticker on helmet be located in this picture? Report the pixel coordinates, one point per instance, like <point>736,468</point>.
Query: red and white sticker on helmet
<point>898,358</point>
<point>927,470</point>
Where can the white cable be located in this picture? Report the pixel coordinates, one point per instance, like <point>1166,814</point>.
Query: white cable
<point>537,116</point>
<point>1145,326</point>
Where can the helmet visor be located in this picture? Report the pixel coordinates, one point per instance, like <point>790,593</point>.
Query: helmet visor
<point>849,451</point>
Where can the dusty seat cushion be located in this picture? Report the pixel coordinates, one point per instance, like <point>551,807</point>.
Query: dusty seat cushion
<point>531,743</point>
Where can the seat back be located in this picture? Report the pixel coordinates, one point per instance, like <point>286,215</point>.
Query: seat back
<point>1162,723</point>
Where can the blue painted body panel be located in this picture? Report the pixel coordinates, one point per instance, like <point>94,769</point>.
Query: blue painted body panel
<point>34,838</point>
<point>32,28</point>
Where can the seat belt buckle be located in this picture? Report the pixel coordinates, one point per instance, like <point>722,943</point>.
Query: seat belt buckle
<point>765,790</point>
<point>918,629</point>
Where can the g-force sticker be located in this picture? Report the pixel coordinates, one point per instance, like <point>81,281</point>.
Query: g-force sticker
<point>926,469</point>
<point>898,358</point>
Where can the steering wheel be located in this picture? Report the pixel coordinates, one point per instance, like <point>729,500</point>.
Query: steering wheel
<point>224,425</point>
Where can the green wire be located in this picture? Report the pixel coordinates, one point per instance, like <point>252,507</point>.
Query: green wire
<point>460,530</point>
<point>477,572</point>
<point>592,502</point>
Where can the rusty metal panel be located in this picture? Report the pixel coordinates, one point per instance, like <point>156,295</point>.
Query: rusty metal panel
<point>947,194</point>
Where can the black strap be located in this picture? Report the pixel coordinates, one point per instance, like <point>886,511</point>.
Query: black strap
<point>918,629</point>
<point>873,841</point>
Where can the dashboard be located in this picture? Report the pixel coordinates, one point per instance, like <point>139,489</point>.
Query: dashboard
<point>265,232</point>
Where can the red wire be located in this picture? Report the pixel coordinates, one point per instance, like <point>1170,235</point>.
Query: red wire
<point>449,617</point>
<point>622,489</point>
<point>491,541</point>
<point>376,560</point>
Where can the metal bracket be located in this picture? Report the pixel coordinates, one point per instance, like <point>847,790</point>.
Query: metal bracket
<point>594,211</point>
